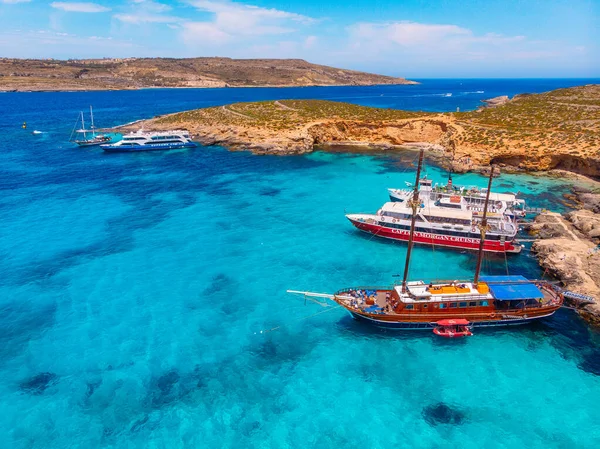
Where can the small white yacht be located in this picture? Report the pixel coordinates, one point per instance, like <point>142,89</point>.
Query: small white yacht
<point>151,141</point>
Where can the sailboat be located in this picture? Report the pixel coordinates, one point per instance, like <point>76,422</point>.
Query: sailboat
<point>483,301</point>
<point>90,137</point>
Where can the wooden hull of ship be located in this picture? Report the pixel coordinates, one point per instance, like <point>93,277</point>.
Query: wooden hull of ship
<point>428,238</point>
<point>417,323</point>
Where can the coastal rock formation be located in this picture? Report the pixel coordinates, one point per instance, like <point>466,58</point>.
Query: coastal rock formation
<point>553,130</point>
<point>496,101</point>
<point>135,73</point>
<point>568,249</point>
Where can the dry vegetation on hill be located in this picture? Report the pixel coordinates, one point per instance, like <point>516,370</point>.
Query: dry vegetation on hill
<point>134,73</point>
<point>558,129</point>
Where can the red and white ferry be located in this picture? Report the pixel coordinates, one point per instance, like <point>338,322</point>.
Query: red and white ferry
<point>449,222</point>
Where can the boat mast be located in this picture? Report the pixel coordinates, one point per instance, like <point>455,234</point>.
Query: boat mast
<point>483,228</point>
<point>83,126</point>
<point>414,204</point>
<point>92,118</point>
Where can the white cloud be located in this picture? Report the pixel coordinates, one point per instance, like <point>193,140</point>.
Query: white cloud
<point>150,5</point>
<point>427,40</point>
<point>79,7</point>
<point>310,41</point>
<point>233,19</point>
<point>406,33</point>
<point>12,2</point>
<point>421,49</point>
<point>146,11</point>
<point>47,43</point>
<point>193,31</point>
<point>137,19</point>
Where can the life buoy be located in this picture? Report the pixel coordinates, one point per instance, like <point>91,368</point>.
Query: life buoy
<point>395,220</point>
<point>473,229</point>
<point>525,316</point>
<point>492,315</point>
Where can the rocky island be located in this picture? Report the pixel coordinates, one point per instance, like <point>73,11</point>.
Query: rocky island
<point>136,73</point>
<point>553,130</point>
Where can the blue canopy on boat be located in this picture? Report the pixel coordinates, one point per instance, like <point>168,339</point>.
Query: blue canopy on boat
<point>512,288</point>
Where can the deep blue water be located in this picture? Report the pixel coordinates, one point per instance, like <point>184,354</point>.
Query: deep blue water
<point>134,288</point>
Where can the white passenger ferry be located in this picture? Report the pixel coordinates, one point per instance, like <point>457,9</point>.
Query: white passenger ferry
<point>447,221</point>
<point>151,141</point>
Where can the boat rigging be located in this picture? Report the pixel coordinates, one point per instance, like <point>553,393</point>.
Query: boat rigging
<point>87,141</point>
<point>485,301</point>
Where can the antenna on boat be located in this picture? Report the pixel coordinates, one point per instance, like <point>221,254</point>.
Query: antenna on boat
<point>483,227</point>
<point>414,204</point>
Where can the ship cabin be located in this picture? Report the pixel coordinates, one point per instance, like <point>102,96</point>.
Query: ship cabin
<point>448,298</point>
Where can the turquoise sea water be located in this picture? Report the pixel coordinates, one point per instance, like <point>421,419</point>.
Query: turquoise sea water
<point>134,288</point>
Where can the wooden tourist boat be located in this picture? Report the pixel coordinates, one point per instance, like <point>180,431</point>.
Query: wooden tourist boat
<point>484,301</point>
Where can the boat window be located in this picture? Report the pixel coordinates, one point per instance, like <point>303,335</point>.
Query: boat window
<point>409,307</point>
<point>473,304</point>
<point>442,305</point>
<point>483,303</point>
<point>462,304</point>
<point>424,306</point>
<point>453,305</point>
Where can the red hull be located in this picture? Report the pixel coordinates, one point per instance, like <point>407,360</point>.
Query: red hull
<point>428,238</point>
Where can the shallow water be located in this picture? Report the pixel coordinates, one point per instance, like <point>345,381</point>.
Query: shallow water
<point>134,289</point>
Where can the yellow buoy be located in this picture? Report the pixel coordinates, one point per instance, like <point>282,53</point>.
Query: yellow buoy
<point>24,125</point>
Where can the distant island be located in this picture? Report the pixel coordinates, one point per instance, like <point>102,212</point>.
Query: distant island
<point>553,130</point>
<point>136,73</point>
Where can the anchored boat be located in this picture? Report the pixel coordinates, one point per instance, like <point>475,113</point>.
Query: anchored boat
<point>151,141</point>
<point>89,137</point>
<point>484,301</point>
<point>442,220</point>
<point>453,328</point>
<point>506,204</point>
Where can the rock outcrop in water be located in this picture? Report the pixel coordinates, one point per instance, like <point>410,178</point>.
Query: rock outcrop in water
<point>553,130</point>
<point>496,101</point>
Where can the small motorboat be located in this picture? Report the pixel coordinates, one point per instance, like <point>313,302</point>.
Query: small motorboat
<point>453,328</point>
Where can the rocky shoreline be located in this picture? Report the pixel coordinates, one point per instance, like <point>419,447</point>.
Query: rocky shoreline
<point>567,247</point>
<point>554,130</point>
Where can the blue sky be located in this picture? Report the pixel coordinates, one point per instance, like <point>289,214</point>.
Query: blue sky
<point>411,38</point>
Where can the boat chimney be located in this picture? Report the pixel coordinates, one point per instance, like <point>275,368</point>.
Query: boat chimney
<point>414,203</point>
